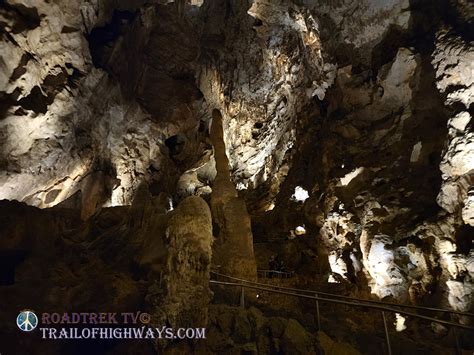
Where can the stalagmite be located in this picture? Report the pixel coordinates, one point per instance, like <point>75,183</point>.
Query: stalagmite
<point>233,248</point>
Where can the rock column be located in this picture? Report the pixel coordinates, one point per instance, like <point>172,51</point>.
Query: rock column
<point>233,247</point>
<point>189,243</point>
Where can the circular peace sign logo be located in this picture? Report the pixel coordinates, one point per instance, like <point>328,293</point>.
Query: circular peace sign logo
<point>27,321</point>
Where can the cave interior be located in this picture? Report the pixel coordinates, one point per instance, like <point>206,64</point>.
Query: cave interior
<point>274,171</point>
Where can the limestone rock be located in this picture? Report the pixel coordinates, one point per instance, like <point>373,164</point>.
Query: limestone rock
<point>468,210</point>
<point>233,253</point>
<point>332,347</point>
<point>189,249</point>
<point>296,340</point>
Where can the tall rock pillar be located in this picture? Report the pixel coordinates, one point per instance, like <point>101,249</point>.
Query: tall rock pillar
<point>186,293</point>
<point>233,246</point>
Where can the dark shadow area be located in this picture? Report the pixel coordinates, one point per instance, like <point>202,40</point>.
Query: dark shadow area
<point>465,239</point>
<point>24,18</point>
<point>101,39</point>
<point>9,260</point>
<point>175,144</point>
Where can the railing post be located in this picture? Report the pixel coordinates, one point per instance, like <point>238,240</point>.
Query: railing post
<point>458,348</point>
<point>456,338</point>
<point>317,313</point>
<point>386,333</point>
<point>242,297</point>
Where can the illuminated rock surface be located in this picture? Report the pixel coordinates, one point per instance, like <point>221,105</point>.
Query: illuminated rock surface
<point>343,151</point>
<point>234,241</point>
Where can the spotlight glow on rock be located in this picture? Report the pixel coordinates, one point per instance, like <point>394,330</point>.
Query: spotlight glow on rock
<point>300,195</point>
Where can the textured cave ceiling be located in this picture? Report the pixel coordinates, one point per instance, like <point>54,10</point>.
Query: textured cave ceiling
<point>92,91</point>
<point>91,105</point>
<point>348,120</point>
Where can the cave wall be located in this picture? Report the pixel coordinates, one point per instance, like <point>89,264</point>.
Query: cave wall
<point>366,105</point>
<point>387,159</point>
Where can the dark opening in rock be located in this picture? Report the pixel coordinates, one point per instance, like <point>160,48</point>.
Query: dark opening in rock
<point>257,22</point>
<point>175,144</point>
<point>464,239</point>
<point>203,126</point>
<point>8,262</point>
<point>101,38</point>
<point>35,101</point>
<point>22,17</point>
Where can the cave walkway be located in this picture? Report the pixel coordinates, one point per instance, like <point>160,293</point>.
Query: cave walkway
<point>275,274</point>
<point>403,309</point>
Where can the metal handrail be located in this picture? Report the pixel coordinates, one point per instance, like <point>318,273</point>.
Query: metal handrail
<point>381,306</point>
<point>281,274</point>
<point>433,309</point>
<point>276,271</point>
<point>356,304</point>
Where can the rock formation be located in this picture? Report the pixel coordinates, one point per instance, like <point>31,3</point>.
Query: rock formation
<point>143,143</point>
<point>186,274</point>
<point>234,242</point>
